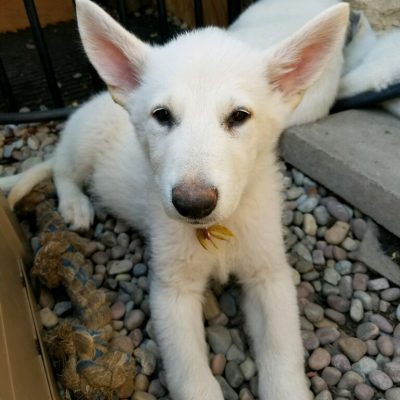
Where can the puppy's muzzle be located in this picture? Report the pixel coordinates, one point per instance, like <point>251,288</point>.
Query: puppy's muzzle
<point>194,200</point>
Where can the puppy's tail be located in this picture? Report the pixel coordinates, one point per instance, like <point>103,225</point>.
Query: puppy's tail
<point>21,184</point>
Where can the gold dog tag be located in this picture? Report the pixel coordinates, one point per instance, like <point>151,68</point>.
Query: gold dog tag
<point>208,235</point>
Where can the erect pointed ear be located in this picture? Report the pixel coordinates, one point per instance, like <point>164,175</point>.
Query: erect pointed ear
<point>117,55</point>
<point>297,62</point>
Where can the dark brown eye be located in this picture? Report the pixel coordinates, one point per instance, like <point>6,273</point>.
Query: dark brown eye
<point>163,116</point>
<point>238,117</point>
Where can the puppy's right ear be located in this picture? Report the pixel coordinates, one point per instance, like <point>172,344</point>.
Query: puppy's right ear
<point>117,55</point>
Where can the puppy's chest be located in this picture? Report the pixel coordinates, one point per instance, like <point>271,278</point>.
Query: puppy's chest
<point>224,264</point>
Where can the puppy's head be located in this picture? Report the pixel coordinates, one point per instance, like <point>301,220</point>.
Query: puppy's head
<point>207,107</point>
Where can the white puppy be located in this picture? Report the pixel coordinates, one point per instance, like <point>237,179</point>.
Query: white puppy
<point>194,145</point>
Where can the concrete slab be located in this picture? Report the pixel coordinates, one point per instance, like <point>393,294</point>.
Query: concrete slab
<point>356,154</point>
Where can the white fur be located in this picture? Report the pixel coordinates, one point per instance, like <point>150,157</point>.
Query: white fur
<point>132,163</point>
<point>371,64</point>
<point>268,22</point>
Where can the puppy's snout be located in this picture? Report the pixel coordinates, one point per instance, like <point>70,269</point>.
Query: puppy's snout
<point>194,201</point>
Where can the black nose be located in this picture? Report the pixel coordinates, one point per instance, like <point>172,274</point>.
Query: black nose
<point>194,200</point>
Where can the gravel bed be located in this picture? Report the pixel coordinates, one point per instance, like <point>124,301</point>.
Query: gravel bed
<point>350,317</point>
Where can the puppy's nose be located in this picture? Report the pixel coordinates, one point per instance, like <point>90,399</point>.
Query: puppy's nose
<point>194,200</point>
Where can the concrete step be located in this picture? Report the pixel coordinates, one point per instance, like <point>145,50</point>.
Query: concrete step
<point>355,154</point>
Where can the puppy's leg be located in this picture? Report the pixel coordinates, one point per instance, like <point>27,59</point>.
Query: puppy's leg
<point>74,205</point>
<point>177,311</point>
<point>272,315</point>
<point>69,178</point>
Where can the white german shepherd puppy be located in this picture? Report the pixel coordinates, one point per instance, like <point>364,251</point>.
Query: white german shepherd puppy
<point>189,142</point>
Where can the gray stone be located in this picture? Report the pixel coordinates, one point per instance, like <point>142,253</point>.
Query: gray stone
<point>117,310</point>
<point>383,324</point>
<point>287,217</point>
<point>100,257</point>
<point>310,340</point>
<point>219,338</point>
<point>318,257</point>
<point>350,244</point>
<point>327,335</point>
<point>228,392</point>
<point>119,267</point>
<point>321,215</point>
<point>324,395</point>
<point>343,267</point>
<point>335,316</point>
<point>385,346</point>
<point>134,319</point>
<point>341,362</point>
<point>302,251</point>
<point>391,294</point>
<point>353,348</point>
<point>359,227</point>
<point>393,370</point>
<point>234,354</point>
<point>319,359</point>
<point>349,380</point>
<point>346,287</point>
<point>313,312</point>
<point>139,269</point>
<point>365,366</point>
<point>156,389</point>
<point>367,331</point>
<point>307,205</point>
<point>233,374</point>
<point>356,310</point>
<point>380,380</point>
<point>364,392</point>
<point>393,394</point>
<point>378,284</point>
<point>338,303</point>
<point>318,384</point>
<point>294,192</point>
<point>331,276</point>
<point>337,210</point>
<point>360,281</point>
<point>248,368</point>
<point>365,298</point>
<point>331,376</point>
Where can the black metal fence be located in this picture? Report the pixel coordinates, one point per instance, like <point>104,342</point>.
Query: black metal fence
<point>59,111</point>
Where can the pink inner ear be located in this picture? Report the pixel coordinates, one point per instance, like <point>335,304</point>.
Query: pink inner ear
<point>116,69</point>
<point>298,73</point>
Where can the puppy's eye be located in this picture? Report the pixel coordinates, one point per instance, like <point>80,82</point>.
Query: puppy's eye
<point>163,116</point>
<point>238,117</point>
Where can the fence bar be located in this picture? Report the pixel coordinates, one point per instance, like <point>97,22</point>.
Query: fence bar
<point>198,12</point>
<point>234,9</point>
<point>35,116</point>
<point>162,19</point>
<point>121,8</point>
<point>6,87</point>
<point>43,52</point>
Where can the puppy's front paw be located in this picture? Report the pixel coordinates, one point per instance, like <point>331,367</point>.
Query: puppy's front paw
<point>77,211</point>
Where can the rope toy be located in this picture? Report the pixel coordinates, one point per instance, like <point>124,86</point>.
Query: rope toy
<point>80,344</point>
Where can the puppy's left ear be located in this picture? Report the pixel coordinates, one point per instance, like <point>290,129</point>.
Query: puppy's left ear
<point>117,55</point>
<point>297,62</point>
